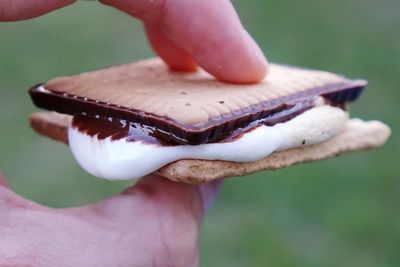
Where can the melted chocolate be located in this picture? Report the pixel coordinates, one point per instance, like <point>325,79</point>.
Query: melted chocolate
<point>279,117</point>
<point>212,130</point>
<point>118,129</point>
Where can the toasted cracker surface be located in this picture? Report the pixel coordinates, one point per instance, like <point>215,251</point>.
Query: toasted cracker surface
<point>358,135</point>
<point>192,98</point>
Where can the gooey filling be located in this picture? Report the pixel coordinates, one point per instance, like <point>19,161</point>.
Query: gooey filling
<point>129,151</point>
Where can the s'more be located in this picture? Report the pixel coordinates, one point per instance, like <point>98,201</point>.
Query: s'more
<point>127,121</point>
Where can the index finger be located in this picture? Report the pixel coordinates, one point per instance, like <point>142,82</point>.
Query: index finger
<point>209,31</point>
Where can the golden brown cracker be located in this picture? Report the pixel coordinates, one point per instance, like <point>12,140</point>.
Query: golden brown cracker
<point>358,135</point>
<point>192,98</point>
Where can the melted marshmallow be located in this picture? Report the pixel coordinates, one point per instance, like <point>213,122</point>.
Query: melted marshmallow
<point>120,160</point>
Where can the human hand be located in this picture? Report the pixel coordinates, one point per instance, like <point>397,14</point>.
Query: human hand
<point>155,223</point>
<point>185,34</point>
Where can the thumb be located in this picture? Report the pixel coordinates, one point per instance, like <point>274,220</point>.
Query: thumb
<point>206,194</point>
<point>159,193</point>
<point>206,32</point>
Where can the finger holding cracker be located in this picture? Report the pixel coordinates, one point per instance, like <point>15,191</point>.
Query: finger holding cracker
<point>127,121</point>
<point>208,33</point>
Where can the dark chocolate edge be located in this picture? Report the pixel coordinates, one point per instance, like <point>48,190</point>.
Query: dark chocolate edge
<point>208,131</point>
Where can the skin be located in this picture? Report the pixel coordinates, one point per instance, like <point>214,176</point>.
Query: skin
<point>186,34</point>
<point>156,222</point>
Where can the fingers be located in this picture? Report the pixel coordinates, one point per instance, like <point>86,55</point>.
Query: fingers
<point>167,195</point>
<point>174,56</point>
<point>210,31</point>
<point>145,10</point>
<point>12,10</point>
<point>176,213</point>
<point>163,196</point>
<point>160,212</point>
<point>155,220</point>
<point>180,192</point>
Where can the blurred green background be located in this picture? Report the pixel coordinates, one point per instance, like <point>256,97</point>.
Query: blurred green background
<point>339,212</point>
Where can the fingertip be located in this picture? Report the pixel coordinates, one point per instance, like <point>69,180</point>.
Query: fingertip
<point>212,34</point>
<point>254,73</point>
<point>146,185</point>
<point>155,186</point>
<point>175,57</point>
<point>151,180</point>
<point>260,61</point>
<point>170,194</point>
<point>248,66</point>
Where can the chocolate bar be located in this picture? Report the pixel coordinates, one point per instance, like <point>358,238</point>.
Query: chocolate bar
<point>190,108</point>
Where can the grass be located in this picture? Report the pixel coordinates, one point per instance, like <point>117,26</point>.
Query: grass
<point>339,212</point>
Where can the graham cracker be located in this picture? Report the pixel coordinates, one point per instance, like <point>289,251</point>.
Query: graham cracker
<point>192,99</point>
<point>51,124</point>
<point>357,135</point>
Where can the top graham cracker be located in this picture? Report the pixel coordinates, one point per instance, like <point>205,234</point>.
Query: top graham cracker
<point>196,98</point>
